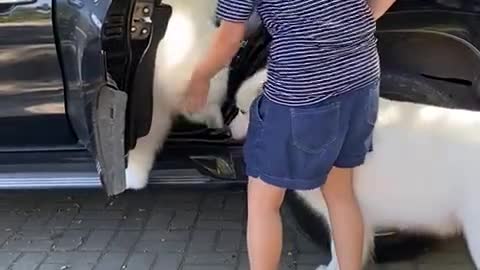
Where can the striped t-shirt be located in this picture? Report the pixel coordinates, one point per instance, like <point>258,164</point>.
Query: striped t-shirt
<point>319,48</point>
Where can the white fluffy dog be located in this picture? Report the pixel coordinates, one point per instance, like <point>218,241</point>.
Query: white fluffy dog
<point>422,177</point>
<point>187,37</point>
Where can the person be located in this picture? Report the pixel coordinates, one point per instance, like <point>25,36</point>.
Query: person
<point>313,122</point>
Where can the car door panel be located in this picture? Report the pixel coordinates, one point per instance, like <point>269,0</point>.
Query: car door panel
<point>32,102</point>
<point>95,105</point>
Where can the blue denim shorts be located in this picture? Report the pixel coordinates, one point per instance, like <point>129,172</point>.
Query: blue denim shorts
<point>296,147</point>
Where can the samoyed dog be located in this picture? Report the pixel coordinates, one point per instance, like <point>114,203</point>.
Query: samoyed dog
<point>186,40</point>
<point>422,177</point>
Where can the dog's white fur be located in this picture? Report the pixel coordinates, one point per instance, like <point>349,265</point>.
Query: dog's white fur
<point>423,175</point>
<point>188,35</point>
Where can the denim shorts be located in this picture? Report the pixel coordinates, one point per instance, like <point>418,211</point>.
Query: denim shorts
<point>296,147</point>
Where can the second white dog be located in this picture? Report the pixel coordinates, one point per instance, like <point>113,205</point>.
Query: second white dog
<point>422,177</point>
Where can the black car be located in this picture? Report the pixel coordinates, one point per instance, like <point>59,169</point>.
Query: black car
<point>76,87</point>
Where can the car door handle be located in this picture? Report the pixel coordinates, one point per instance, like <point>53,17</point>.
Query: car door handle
<point>6,6</point>
<point>16,2</point>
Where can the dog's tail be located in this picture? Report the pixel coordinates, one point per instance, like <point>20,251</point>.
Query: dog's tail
<point>388,248</point>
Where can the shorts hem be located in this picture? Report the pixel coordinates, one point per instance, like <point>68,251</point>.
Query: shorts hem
<point>350,162</point>
<point>287,183</point>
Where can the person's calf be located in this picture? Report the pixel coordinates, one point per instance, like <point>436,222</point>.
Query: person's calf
<point>264,225</point>
<point>345,218</point>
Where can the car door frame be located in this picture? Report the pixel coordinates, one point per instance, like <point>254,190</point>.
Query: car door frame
<point>95,105</point>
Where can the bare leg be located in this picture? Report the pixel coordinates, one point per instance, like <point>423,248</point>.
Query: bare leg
<point>345,217</point>
<point>264,225</point>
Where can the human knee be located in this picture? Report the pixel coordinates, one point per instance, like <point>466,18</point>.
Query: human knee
<point>263,197</point>
<point>339,186</point>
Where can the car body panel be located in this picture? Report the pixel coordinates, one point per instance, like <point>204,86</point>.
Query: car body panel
<point>409,30</point>
<point>409,40</point>
<point>31,87</point>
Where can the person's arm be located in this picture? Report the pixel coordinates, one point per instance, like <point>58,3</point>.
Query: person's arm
<point>379,7</point>
<point>225,44</point>
<point>228,37</point>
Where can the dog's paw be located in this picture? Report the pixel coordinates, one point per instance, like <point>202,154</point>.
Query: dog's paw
<point>239,126</point>
<point>215,123</point>
<point>136,178</point>
<point>326,267</point>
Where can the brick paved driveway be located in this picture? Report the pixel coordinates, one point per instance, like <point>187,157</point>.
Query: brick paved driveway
<point>153,229</point>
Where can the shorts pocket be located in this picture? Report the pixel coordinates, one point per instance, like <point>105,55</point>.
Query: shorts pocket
<point>314,129</point>
<point>372,104</point>
<point>257,112</point>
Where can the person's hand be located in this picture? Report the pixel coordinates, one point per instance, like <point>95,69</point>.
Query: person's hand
<point>196,94</point>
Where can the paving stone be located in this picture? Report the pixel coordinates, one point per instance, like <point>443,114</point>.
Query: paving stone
<point>87,224</point>
<point>166,261</point>
<point>96,201</point>
<point>177,205</point>
<point>220,224</point>
<point>139,261</point>
<point>124,241</point>
<point>74,257</point>
<point>38,220</point>
<point>62,219</point>
<point>72,260</point>
<point>183,220</point>
<point>312,258</point>
<point>289,244</point>
<point>221,214</point>
<point>235,202</point>
<point>208,267</point>
<point>212,258</point>
<point>4,235</point>
<point>7,258</point>
<point>70,240</point>
<point>11,222</point>
<point>165,235</point>
<point>229,241</point>
<point>159,246</point>
<point>134,219</point>
<point>28,245</point>
<point>286,263</point>
<point>203,241</point>
<point>186,201</point>
<point>97,240</point>
<point>144,199</point>
<point>159,220</point>
<point>112,261</point>
<point>50,266</point>
<point>183,196</point>
<point>28,261</point>
<point>100,214</point>
<point>163,241</point>
<point>213,201</point>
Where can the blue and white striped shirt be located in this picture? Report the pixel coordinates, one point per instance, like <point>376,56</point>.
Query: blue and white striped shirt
<point>319,48</point>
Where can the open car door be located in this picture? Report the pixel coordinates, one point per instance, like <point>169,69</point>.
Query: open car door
<point>96,105</point>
